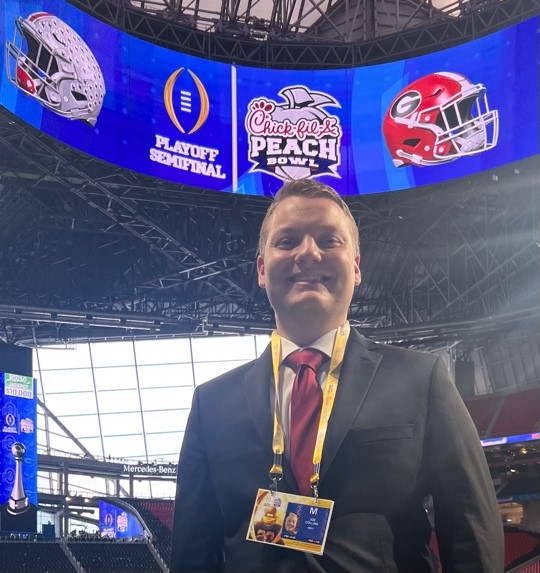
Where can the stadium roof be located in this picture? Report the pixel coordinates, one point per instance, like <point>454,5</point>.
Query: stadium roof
<point>93,251</point>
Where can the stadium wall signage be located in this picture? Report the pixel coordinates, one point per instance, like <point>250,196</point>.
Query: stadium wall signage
<point>150,469</point>
<point>245,130</point>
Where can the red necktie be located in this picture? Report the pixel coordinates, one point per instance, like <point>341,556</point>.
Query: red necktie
<point>306,402</point>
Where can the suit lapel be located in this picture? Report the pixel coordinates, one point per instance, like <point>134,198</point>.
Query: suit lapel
<point>357,372</point>
<point>257,383</point>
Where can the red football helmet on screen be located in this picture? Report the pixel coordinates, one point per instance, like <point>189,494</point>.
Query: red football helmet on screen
<point>50,62</point>
<point>438,118</point>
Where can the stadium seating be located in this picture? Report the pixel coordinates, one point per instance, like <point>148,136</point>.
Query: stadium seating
<point>102,557</point>
<point>530,568</point>
<point>519,414</point>
<point>497,415</point>
<point>33,557</point>
<point>482,409</point>
<point>519,546</point>
<point>163,509</point>
<point>158,516</point>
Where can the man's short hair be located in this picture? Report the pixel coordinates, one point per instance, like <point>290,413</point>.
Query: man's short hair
<point>309,189</point>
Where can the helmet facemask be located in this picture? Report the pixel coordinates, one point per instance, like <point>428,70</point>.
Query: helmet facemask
<point>468,124</point>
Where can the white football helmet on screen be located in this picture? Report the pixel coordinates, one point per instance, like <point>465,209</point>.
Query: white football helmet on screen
<point>49,61</point>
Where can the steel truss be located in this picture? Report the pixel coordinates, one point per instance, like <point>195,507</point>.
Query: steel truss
<point>348,34</point>
<point>90,250</point>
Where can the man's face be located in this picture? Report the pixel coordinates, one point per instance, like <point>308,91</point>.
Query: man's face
<point>308,264</point>
<point>291,522</point>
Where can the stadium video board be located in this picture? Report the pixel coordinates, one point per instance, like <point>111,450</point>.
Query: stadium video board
<point>18,453</point>
<point>116,522</point>
<point>238,129</point>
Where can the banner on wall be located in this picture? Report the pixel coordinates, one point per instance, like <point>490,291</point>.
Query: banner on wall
<point>18,453</point>
<point>229,128</point>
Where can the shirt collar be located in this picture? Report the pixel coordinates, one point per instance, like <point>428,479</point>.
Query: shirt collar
<point>325,344</point>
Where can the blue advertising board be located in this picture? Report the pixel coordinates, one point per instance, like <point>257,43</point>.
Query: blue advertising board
<point>18,453</point>
<point>217,126</point>
<point>118,523</point>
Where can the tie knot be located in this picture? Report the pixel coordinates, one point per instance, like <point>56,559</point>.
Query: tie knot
<point>310,357</point>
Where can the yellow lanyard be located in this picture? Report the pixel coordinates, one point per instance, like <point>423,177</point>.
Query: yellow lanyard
<point>278,441</point>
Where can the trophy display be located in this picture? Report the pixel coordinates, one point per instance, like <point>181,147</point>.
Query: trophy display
<point>18,500</point>
<point>18,514</point>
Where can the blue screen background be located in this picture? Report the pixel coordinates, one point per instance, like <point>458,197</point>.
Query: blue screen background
<point>134,112</point>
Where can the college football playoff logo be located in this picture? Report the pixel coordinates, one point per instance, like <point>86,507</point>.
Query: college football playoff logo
<point>185,101</point>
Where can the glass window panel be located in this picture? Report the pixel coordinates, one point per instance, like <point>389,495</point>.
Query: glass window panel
<point>61,445</point>
<point>38,387</point>
<point>166,446</point>
<point>115,378</point>
<point>169,351</point>
<point>48,482</point>
<point>118,401</point>
<point>112,353</point>
<point>86,485</point>
<point>223,348</point>
<point>165,421</point>
<point>165,375</point>
<point>261,341</point>
<point>54,427</point>
<point>67,381</point>
<point>82,426</point>
<point>58,357</point>
<point>141,488</point>
<point>77,403</point>
<point>164,398</point>
<point>120,424</point>
<point>124,446</point>
<point>90,486</point>
<point>164,489</point>
<point>41,442</point>
<point>124,487</point>
<point>205,371</point>
<point>93,445</point>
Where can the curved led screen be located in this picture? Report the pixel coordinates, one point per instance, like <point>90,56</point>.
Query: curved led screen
<point>246,130</point>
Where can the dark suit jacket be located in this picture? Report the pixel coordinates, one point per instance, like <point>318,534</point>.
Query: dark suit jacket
<point>398,432</point>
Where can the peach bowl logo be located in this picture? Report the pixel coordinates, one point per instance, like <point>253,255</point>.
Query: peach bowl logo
<point>296,138</point>
<point>27,426</point>
<point>122,522</point>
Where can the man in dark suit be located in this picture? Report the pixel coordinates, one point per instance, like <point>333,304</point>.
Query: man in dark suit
<point>398,431</point>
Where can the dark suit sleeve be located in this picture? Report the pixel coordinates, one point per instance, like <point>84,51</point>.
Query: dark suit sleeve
<point>468,525</point>
<point>197,536</point>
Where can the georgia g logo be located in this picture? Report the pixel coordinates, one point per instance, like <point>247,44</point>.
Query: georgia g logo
<point>186,101</point>
<point>406,105</point>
